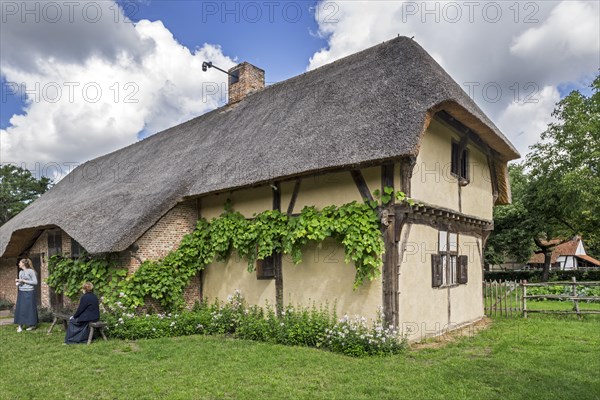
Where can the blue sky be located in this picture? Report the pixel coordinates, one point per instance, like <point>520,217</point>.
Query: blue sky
<point>282,35</point>
<point>143,60</point>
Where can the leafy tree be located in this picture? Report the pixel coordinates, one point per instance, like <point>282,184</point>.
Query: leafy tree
<point>18,188</point>
<point>511,237</point>
<point>556,190</point>
<point>566,168</point>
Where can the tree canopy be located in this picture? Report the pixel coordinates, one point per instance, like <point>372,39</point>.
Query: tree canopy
<point>556,190</point>
<point>18,188</point>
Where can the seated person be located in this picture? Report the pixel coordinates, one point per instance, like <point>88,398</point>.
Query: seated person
<point>88,311</point>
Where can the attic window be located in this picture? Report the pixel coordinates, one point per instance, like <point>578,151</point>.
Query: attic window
<point>460,162</point>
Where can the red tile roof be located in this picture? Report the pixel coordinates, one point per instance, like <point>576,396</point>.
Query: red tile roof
<point>566,249</point>
<point>588,259</point>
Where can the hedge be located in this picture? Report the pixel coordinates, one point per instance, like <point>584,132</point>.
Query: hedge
<point>536,275</point>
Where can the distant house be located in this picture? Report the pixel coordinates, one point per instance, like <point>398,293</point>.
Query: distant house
<point>567,256</point>
<point>388,116</point>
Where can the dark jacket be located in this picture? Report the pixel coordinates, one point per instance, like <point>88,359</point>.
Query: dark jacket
<point>89,308</point>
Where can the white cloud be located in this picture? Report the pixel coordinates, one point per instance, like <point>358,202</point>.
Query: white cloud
<point>523,122</point>
<point>568,40</point>
<point>85,102</point>
<point>522,47</point>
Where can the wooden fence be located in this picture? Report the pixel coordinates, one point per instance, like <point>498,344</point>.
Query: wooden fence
<point>509,298</point>
<point>502,298</point>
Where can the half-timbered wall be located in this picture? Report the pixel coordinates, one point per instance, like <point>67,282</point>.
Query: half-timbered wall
<point>433,183</point>
<point>323,277</point>
<point>427,311</point>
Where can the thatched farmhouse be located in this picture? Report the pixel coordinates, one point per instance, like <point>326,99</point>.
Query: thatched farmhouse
<point>566,256</point>
<point>388,116</point>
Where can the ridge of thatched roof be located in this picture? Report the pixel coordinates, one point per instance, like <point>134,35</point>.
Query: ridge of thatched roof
<point>370,106</point>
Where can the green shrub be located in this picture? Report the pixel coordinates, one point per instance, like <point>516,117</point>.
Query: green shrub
<point>536,275</point>
<point>564,290</point>
<point>6,304</point>
<point>45,314</point>
<point>296,326</point>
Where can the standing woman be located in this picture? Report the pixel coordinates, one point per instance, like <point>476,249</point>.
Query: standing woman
<point>26,308</point>
<point>88,311</point>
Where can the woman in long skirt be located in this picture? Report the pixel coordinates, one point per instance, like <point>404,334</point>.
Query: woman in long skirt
<point>88,311</point>
<point>26,307</point>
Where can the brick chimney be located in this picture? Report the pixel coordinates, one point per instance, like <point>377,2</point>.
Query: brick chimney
<point>250,79</point>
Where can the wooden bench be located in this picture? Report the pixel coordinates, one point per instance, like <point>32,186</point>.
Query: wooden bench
<point>59,316</point>
<point>98,325</point>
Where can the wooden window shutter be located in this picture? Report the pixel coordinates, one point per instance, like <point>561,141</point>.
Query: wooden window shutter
<point>463,272</point>
<point>436,270</point>
<point>265,269</point>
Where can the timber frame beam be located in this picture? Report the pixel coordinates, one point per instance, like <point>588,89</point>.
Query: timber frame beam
<point>446,219</point>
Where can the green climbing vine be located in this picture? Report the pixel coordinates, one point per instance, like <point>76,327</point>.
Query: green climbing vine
<point>354,225</point>
<point>67,275</point>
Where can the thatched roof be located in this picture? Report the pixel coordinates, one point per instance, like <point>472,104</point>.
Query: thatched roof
<point>372,105</point>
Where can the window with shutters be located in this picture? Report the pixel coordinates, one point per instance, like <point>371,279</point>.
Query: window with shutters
<point>448,267</point>
<point>265,269</point>
<point>54,242</point>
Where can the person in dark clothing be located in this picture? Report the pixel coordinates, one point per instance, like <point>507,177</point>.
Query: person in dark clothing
<point>88,311</point>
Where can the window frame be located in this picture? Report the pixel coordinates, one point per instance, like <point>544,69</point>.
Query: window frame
<point>459,166</point>
<point>53,235</point>
<point>449,262</point>
<point>75,245</point>
<point>265,269</point>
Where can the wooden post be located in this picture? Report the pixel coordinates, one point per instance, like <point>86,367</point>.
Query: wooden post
<point>390,261</point>
<point>506,298</point>
<point>390,272</point>
<point>495,298</point>
<point>524,298</point>
<point>484,290</point>
<point>499,297</point>
<point>277,258</point>
<point>575,301</point>
<point>516,297</point>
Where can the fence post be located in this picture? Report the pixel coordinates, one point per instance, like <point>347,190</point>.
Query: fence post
<point>495,287</point>
<point>575,301</point>
<point>516,297</point>
<point>523,282</point>
<point>506,298</point>
<point>485,298</point>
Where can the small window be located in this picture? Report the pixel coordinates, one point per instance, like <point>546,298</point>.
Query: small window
<point>76,249</point>
<point>453,242</point>
<point>443,242</point>
<point>460,162</point>
<point>54,242</point>
<point>447,267</point>
<point>265,269</point>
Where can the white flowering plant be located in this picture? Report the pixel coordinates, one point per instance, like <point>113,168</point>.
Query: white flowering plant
<point>292,326</point>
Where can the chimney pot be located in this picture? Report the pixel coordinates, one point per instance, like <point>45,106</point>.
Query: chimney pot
<point>247,79</point>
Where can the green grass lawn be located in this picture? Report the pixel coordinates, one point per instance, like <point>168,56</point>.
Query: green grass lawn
<point>543,357</point>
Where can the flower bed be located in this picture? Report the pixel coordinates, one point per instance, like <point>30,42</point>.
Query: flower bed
<point>296,326</point>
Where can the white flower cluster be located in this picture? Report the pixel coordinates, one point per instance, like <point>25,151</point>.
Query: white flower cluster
<point>356,330</point>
